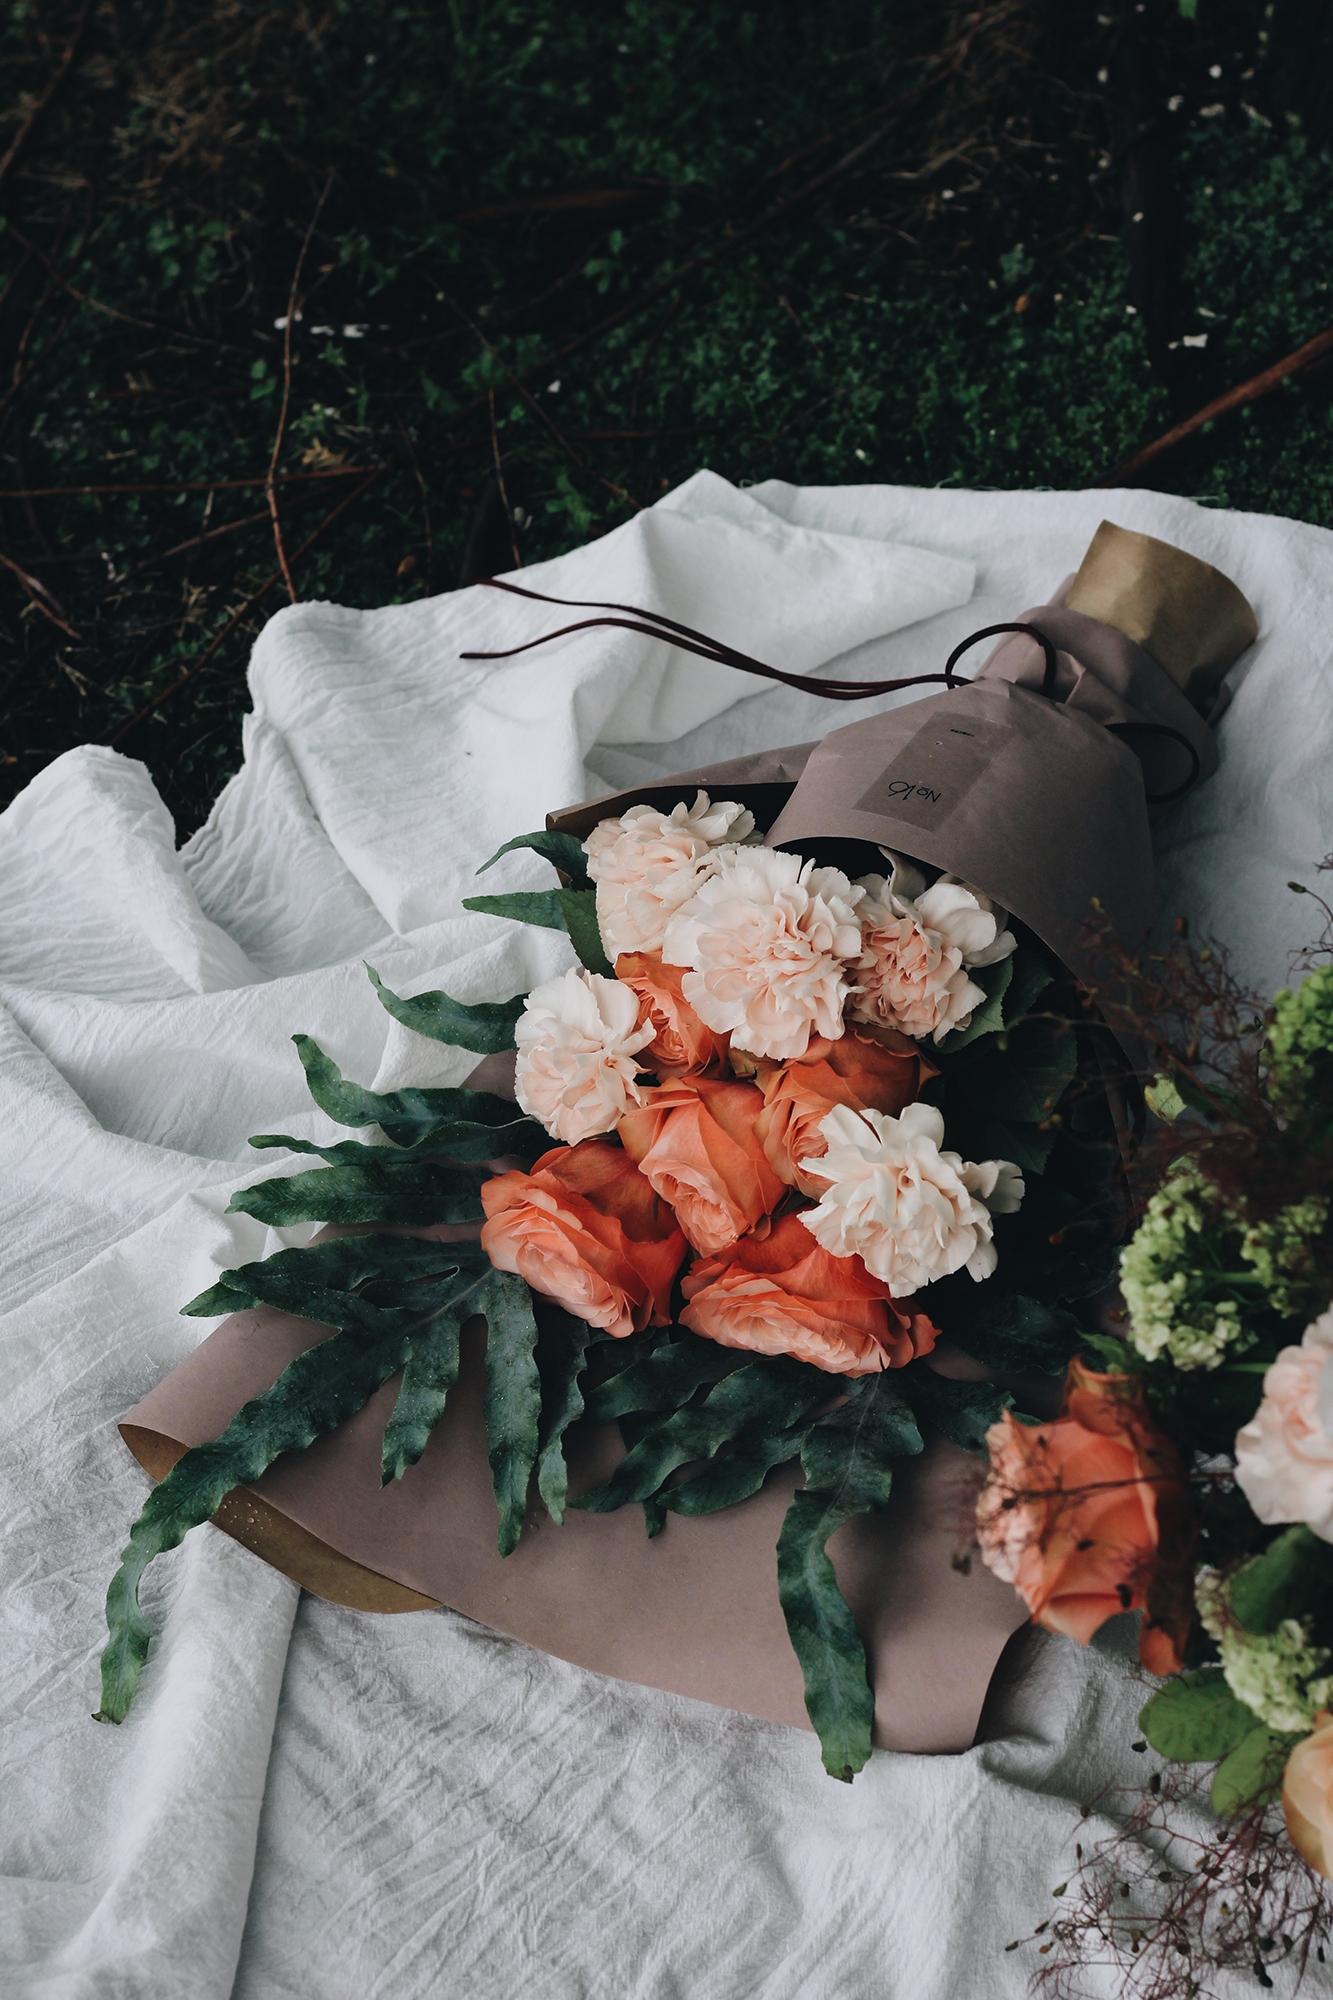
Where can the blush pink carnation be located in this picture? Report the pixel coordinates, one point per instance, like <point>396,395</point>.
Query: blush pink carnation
<point>768,939</point>
<point>578,1043</point>
<point>1284,1455</point>
<point>918,946</point>
<point>911,1212</point>
<point>647,864</point>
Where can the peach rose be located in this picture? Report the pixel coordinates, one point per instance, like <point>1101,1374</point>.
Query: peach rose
<point>859,1071</point>
<point>1284,1455</point>
<point>680,1041</point>
<point>695,1140</point>
<point>586,1229</point>
<point>781,1294</point>
<point>1307,1796</point>
<point>1090,1515</point>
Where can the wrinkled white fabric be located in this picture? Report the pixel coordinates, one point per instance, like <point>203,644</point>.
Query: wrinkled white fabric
<point>357,1806</point>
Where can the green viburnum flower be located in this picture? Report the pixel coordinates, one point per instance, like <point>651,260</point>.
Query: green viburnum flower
<point>1299,1056</point>
<point>1277,1674</point>
<point>1175,1272</point>
<point>1282,1253</point>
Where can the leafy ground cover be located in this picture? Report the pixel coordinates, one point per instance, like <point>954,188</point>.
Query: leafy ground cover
<point>355,302</point>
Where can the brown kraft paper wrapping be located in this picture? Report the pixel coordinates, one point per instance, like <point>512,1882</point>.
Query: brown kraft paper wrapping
<point>1041,799</point>
<point>695,1611</point>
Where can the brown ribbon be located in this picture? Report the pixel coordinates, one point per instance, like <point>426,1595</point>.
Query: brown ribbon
<point>656,625</point>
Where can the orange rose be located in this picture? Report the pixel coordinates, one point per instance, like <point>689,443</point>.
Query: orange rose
<point>1090,1515</point>
<point>682,1042</point>
<point>783,1294</point>
<point>1307,1796</point>
<point>696,1142</point>
<point>859,1071</point>
<point>586,1229</point>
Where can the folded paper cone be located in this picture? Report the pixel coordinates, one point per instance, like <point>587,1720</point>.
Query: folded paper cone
<point>1186,614</point>
<point>694,1611</point>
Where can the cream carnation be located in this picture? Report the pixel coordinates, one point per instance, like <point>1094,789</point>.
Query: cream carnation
<point>768,938</point>
<point>647,864</point>
<point>918,945</point>
<point>1284,1455</point>
<point>910,1212</point>
<point>578,1040</point>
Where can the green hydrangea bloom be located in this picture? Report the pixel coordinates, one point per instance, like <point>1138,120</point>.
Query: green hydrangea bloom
<point>1282,1253</point>
<point>1172,1272</point>
<point>1277,1674</point>
<point>1299,1057</point>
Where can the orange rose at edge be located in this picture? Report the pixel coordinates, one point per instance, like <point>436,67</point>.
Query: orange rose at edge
<point>586,1229</point>
<point>864,1072</point>
<point>783,1294</point>
<point>681,1044</point>
<point>1089,1516</point>
<point>1307,1796</point>
<point>695,1141</point>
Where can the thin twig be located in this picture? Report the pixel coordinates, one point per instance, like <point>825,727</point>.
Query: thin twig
<point>40,596</point>
<point>54,81</point>
<point>192,485</point>
<point>269,491</point>
<point>425,505</point>
<point>237,616</point>
<point>1245,392</point>
<point>537,409</point>
<point>500,481</point>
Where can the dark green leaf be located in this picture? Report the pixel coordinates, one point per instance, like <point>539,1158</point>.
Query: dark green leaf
<point>466,1124</point>
<point>848,1462</point>
<point>757,1399</point>
<point>485,1029</point>
<point>981,1138</point>
<point>994,981</point>
<point>562,1348</point>
<point>315,1394</point>
<point>334,1276</point>
<point>1197,1719</point>
<point>571,910</point>
<point>522,906</point>
<point>561,849</point>
<point>1006,1330</point>
<point>664,1380</point>
<point>379,1187</point>
<point>513,1399</point>
<point>1252,1774</point>
<point>733,1475</point>
<point>585,934</point>
<point>429,1373</point>
<point>1031,977</point>
<point>1292,1577</point>
<point>963,1411</point>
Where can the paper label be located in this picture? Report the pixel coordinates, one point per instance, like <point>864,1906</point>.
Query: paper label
<point>935,769</point>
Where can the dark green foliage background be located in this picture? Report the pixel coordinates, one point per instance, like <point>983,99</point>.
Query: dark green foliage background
<point>503,177</point>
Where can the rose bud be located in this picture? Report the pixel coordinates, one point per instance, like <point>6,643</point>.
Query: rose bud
<point>681,1043</point>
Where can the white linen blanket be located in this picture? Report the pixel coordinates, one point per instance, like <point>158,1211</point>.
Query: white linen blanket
<point>306,1801</point>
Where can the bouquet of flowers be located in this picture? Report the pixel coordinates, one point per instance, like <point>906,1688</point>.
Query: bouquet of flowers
<point>792,1115</point>
<point>827,1097</point>
<point>1191,1468</point>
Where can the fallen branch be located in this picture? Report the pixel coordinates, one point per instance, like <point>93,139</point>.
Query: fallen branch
<point>1259,385</point>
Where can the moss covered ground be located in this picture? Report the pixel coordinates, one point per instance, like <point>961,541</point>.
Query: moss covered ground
<point>547,259</point>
